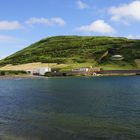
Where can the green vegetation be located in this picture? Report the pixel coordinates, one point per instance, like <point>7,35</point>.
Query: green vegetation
<point>79,50</point>
<point>5,73</point>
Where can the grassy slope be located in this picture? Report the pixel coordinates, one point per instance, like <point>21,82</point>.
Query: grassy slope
<point>77,51</point>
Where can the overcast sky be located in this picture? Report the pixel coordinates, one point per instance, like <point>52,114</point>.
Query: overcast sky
<point>23,22</point>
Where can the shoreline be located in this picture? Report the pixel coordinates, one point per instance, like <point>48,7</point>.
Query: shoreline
<point>16,76</point>
<point>34,77</point>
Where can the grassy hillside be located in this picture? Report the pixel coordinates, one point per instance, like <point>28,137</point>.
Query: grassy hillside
<point>78,50</point>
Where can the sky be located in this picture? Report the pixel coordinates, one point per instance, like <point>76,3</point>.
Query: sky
<point>23,22</point>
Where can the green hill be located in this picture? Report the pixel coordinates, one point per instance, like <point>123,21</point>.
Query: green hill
<point>78,49</point>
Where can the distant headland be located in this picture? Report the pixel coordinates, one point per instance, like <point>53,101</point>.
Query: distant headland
<point>67,53</point>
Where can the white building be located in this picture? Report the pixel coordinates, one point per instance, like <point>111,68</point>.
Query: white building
<point>42,71</point>
<point>39,71</point>
<point>117,57</point>
<point>81,70</point>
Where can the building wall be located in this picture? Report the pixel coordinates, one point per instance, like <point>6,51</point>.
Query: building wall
<point>42,71</point>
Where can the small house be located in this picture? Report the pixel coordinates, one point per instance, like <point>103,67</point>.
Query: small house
<point>41,71</point>
<point>81,70</point>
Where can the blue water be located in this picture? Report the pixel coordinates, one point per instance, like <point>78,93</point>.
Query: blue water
<point>98,108</point>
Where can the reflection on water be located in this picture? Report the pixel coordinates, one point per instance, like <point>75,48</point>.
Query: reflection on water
<point>106,108</point>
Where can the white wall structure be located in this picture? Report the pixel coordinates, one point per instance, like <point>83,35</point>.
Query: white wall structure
<point>81,69</point>
<point>42,71</point>
<point>39,71</point>
<point>117,57</point>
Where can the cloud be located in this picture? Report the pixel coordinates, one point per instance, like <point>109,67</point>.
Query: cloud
<point>14,25</point>
<point>98,26</point>
<point>130,36</point>
<point>5,38</point>
<point>10,25</point>
<point>49,22</point>
<point>82,5</point>
<point>126,12</point>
